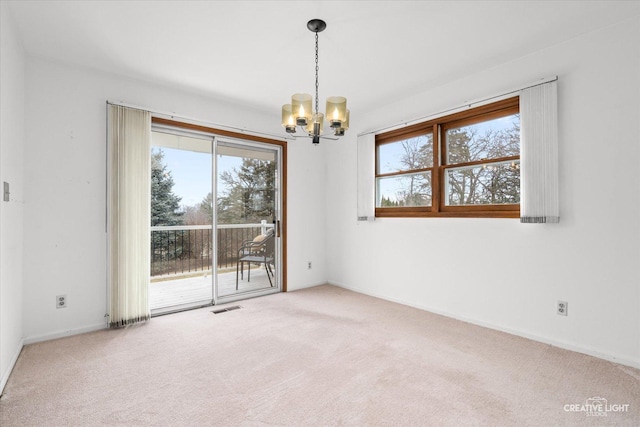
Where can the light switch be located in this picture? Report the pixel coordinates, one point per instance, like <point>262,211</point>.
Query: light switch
<point>6,192</point>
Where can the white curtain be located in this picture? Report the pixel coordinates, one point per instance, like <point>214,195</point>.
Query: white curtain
<point>366,147</point>
<point>129,214</point>
<point>539,154</point>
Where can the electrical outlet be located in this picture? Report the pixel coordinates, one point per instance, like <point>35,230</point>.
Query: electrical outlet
<point>563,307</point>
<point>61,301</point>
<point>309,265</point>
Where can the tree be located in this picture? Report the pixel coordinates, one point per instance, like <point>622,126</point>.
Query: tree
<point>462,147</point>
<point>489,184</point>
<point>193,215</point>
<point>249,193</point>
<point>497,183</point>
<point>197,244</point>
<point>417,153</point>
<point>165,210</point>
<point>386,202</point>
<point>199,214</point>
<point>165,205</point>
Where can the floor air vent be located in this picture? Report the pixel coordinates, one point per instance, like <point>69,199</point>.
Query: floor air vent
<point>224,310</point>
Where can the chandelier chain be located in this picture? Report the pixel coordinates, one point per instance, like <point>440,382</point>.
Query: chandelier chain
<point>317,68</point>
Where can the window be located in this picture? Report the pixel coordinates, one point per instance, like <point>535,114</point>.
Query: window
<point>463,165</point>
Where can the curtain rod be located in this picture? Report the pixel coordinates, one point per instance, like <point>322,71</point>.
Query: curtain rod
<point>462,107</point>
<point>197,121</point>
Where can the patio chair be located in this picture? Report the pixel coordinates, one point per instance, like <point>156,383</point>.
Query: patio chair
<point>260,250</point>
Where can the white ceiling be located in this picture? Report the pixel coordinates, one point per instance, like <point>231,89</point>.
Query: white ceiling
<point>260,52</point>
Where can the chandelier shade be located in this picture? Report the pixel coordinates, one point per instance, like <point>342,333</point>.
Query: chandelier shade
<point>300,112</point>
<point>302,108</point>
<point>288,121</point>
<point>336,110</point>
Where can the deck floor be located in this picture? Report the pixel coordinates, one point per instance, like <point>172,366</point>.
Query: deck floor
<point>186,290</point>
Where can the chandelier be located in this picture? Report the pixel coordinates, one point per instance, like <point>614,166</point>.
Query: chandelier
<point>300,113</point>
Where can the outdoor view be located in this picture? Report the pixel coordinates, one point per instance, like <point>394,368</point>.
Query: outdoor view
<point>494,181</point>
<point>182,213</point>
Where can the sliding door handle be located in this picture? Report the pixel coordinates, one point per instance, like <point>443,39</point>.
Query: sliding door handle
<point>276,226</point>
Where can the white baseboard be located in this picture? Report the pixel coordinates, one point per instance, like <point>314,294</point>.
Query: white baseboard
<point>546,340</point>
<point>305,286</point>
<point>14,360</point>
<point>62,334</point>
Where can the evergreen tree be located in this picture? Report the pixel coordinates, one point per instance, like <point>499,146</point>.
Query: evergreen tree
<point>206,207</point>
<point>250,193</point>
<point>165,205</point>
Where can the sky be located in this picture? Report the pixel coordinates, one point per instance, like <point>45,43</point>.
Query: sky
<point>191,172</point>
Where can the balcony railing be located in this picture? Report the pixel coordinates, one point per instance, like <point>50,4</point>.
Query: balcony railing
<point>185,249</point>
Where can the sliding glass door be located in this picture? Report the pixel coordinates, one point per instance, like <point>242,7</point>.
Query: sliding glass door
<point>215,220</point>
<point>248,235</point>
<point>181,221</point>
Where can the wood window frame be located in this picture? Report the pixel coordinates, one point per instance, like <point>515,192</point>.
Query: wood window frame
<point>437,127</point>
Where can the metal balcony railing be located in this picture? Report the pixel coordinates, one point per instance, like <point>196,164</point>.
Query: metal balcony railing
<point>185,249</point>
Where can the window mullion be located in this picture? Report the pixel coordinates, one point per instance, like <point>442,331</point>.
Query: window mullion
<point>403,172</point>
<point>436,189</point>
<point>482,162</point>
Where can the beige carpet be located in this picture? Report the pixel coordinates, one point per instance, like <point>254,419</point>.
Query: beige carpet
<point>320,356</point>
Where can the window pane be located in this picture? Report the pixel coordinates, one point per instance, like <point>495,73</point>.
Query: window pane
<point>490,184</point>
<point>404,190</point>
<point>487,140</point>
<point>408,154</point>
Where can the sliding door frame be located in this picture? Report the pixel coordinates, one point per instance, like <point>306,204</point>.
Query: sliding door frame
<point>283,184</point>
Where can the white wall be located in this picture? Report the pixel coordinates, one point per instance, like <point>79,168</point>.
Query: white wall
<point>11,213</point>
<point>498,272</point>
<point>65,189</point>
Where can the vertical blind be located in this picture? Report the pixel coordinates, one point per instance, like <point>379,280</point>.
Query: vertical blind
<point>366,177</point>
<point>129,214</point>
<point>539,201</point>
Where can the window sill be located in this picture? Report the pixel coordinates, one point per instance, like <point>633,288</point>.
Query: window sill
<point>507,211</point>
